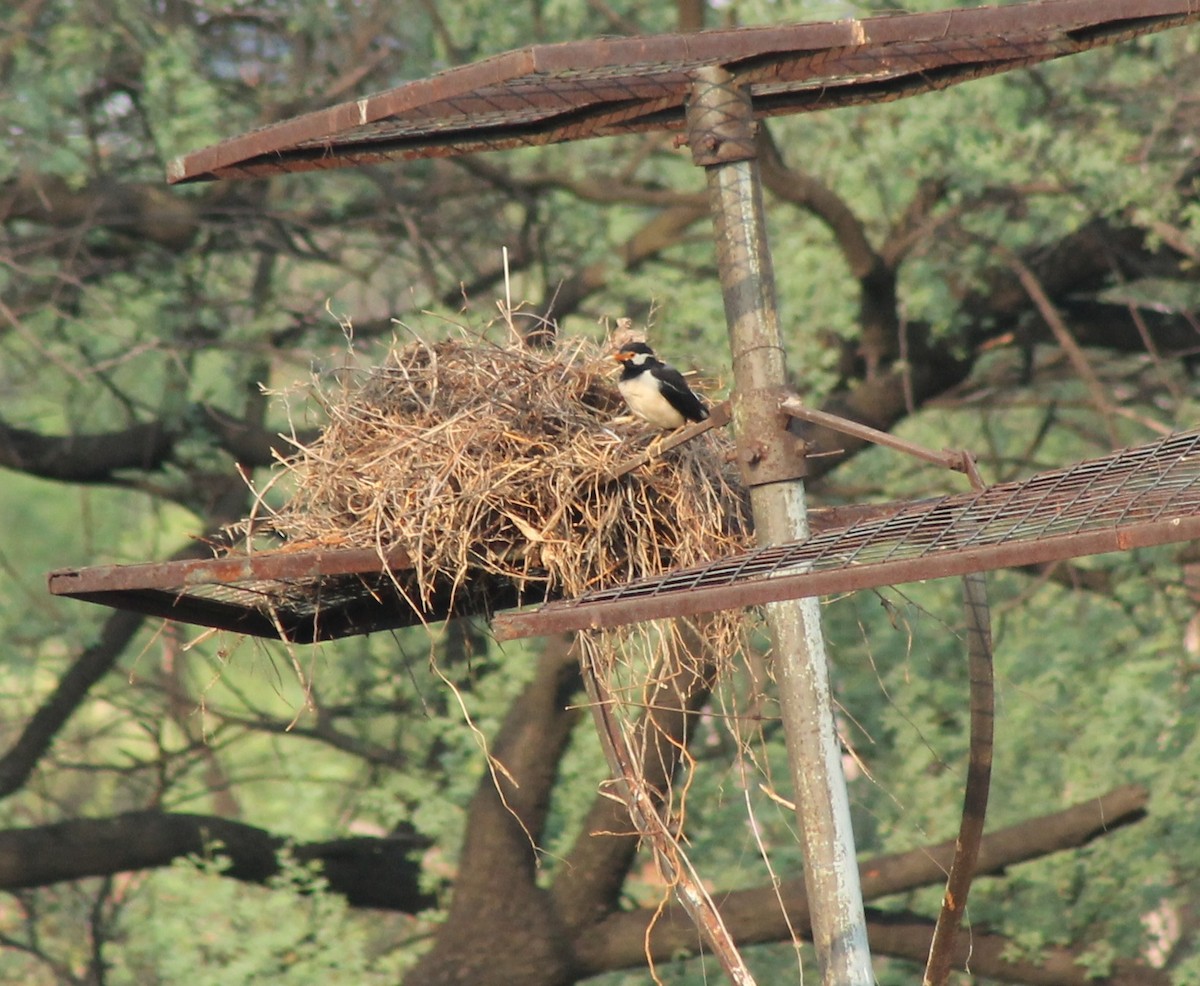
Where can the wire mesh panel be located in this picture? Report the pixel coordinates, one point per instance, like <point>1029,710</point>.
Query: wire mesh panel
<point>549,93</point>
<point>1134,498</point>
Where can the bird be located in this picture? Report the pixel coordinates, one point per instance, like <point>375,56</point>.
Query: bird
<point>654,390</point>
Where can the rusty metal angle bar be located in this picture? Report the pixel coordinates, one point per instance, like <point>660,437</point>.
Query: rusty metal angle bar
<point>959,461</point>
<point>635,608</point>
<point>257,566</point>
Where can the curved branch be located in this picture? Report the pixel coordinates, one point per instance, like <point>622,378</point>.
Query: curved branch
<point>802,189</point>
<point>875,270</point>
<point>147,211</point>
<point>94,663</point>
<point>588,885</point>
<point>1088,260</point>
<point>496,896</point>
<point>989,956</point>
<point>102,456</point>
<point>942,948</point>
<point>665,230</point>
<point>250,443</point>
<point>1114,326</point>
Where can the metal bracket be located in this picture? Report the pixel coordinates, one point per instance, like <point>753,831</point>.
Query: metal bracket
<point>766,451</point>
<point>721,124</point>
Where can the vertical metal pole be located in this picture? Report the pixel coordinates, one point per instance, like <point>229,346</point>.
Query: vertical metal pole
<point>721,135</point>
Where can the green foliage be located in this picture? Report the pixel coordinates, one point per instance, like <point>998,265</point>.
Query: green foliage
<point>190,924</point>
<point>105,326</point>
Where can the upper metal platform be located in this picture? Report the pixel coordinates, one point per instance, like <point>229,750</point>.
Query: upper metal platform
<point>549,93</point>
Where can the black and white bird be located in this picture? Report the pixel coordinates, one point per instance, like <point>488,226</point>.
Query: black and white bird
<point>654,390</point>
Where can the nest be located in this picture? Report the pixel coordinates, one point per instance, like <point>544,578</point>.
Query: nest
<point>478,458</point>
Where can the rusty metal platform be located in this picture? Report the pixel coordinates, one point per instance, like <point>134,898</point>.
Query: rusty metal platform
<point>304,595</point>
<point>1139,497</point>
<point>300,596</point>
<point>549,93</point>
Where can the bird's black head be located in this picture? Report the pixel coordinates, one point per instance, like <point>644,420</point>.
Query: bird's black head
<point>636,354</point>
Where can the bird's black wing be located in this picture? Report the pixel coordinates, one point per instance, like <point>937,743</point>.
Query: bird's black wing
<point>676,390</point>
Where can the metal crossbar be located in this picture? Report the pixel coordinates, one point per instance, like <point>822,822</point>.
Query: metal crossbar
<point>1137,497</point>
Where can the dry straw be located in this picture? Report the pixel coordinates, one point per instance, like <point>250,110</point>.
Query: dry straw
<point>486,458</point>
<point>489,461</point>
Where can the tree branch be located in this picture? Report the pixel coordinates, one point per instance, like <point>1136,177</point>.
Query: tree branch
<point>94,458</point>
<point>987,956</point>
<point>496,897</point>
<point>93,664</point>
<point>665,230</point>
<point>588,884</point>
<point>368,872</point>
<point>624,939</point>
<point>146,211</point>
<point>802,189</point>
<point>100,457</point>
<point>249,443</point>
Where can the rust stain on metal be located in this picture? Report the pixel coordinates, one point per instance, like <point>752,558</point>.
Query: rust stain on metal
<point>551,93</point>
<point>299,595</point>
<point>1136,498</point>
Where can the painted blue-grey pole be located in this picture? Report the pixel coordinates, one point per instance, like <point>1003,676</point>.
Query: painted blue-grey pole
<point>721,137</point>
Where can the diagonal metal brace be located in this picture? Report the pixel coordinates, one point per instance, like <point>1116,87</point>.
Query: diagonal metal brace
<point>718,417</point>
<point>959,460</point>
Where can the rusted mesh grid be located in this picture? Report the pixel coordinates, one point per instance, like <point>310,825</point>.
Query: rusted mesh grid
<point>582,89</point>
<point>1150,486</point>
<point>292,600</point>
<point>615,97</point>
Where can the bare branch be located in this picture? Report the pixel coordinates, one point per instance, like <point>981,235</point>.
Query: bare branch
<point>1083,367</point>
<point>624,939</point>
<point>496,896</point>
<point>93,664</point>
<point>369,872</point>
<point>95,458</point>
<point>665,230</point>
<point>990,956</point>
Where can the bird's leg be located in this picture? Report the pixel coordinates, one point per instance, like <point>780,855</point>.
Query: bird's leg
<point>655,449</point>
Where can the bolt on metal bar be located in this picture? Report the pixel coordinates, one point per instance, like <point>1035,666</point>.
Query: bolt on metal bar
<point>720,130</point>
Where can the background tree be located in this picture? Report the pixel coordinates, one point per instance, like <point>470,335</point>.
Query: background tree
<point>1009,266</point>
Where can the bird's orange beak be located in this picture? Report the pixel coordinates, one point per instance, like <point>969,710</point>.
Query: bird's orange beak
<point>622,356</point>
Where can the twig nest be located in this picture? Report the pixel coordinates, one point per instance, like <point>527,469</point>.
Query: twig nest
<point>479,457</point>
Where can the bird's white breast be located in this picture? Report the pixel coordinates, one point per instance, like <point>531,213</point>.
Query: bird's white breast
<point>645,400</point>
